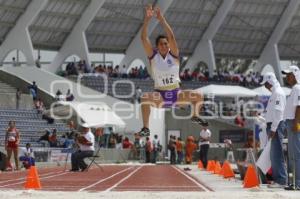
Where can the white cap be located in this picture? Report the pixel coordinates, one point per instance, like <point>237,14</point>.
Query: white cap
<point>270,78</point>
<point>85,125</point>
<point>293,69</point>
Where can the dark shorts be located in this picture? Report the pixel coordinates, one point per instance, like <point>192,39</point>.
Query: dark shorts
<point>169,97</point>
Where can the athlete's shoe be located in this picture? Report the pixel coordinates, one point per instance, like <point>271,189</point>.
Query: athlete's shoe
<point>145,132</point>
<point>292,188</point>
<point>200,121</point>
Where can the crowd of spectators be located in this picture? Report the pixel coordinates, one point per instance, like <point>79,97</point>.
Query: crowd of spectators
<point>250,79</point>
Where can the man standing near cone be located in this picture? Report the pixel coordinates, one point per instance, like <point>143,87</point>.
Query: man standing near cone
<point>292,117</point>
<point>275,129</point>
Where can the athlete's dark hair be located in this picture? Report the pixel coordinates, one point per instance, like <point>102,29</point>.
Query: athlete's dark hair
<point>159,37</point>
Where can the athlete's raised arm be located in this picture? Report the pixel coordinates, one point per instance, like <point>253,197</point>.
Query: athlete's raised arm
<point>169,32</point>
<point>144,35</point>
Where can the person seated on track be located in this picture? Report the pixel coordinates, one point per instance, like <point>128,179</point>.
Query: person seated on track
<point>164,62</point>
<point>27,157</point>
<point>86,142</point>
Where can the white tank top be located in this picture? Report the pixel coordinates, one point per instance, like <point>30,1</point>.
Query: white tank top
<point>12,135</point>
<point>165,71</point>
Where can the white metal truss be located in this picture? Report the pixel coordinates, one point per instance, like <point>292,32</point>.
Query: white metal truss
<point>270,54</point>
<point>204,49</point>
<point>19,37</point>
<point>76,43</point>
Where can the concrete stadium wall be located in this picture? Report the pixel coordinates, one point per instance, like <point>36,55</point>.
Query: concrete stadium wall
<point>9,101</point>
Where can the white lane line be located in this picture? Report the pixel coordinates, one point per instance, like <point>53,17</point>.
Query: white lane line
<point>193,180</point>
<point>60,174</point>
<point>107,178</point>
<point>125,178</point>
<point>44,174</point>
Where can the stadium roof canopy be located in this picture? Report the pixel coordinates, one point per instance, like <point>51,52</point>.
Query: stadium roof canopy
<point>244,31</point>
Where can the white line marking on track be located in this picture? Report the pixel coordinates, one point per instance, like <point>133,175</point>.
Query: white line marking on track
<point>44,174</point>
<point>107,178</point>
<point>193,180</point>
<point>118,183</point>
<point>59,174</point>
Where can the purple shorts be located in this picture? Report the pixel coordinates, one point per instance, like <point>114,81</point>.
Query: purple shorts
<point>169,97</point>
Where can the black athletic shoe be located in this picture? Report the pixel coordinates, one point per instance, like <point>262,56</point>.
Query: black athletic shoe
<point>145,132</point>
<point>292,188</point>
<point>200,121</point>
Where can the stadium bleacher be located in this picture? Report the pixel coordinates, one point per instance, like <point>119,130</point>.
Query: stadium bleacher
<point>30,124</point>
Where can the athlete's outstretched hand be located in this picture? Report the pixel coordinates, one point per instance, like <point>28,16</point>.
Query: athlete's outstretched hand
<point>158,14</point>
<point>148,13</point>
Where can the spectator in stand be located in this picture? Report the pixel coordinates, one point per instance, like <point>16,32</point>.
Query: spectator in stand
<point>240,121</point>
<point>179,150</point>
<point>195,74</point>
<point>14,62</point>
<point>27,158</point>
<point>148,150</point>
<point>86,67</point>
<point>69,96</point>
<point>33,90</point>
<point>248,80</point>
<point>116,71</point>
<point>124,72</point>
<point>53,139</point>
<point>71,69</point>
<point>59,96</point>
<point>18,98</point>
<point>44,139</point>
<point>140,72</point>
<point>127,144</point>
<point>39,105</point>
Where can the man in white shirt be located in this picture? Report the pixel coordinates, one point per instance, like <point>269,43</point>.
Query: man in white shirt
<point>292,117</point>
<point>205,135</point>
<point>156,148</point>
<point>275,129</point>
<point>86,142</point>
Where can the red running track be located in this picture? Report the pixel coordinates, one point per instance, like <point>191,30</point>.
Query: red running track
<point>111,178</point>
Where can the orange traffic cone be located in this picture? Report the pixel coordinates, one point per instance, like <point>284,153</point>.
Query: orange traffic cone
<point>211,166</point>
<point>217,168</point>
<point>200,165</point>
<point>221,173</point>
<point>251,179</point>
<point>227,170</point>
<point>33,180</point>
